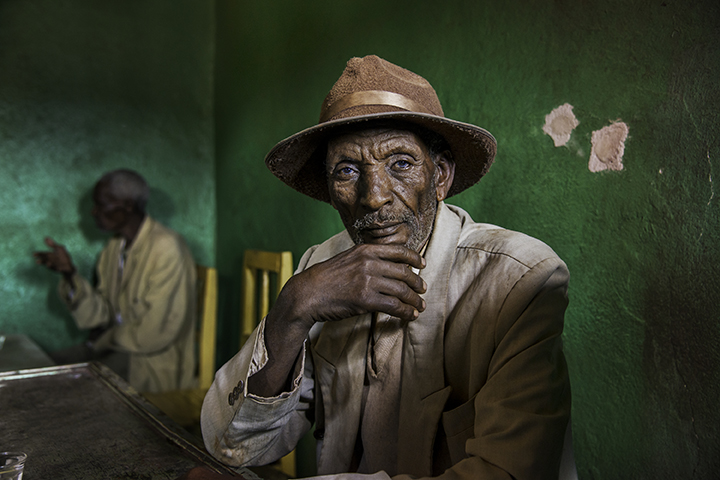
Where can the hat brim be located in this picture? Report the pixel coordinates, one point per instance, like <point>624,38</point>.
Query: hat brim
<point>296,161</point>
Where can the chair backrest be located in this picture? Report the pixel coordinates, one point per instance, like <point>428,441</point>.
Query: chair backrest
<point>207,288</point>
<point>257,266</point>
<point>256,295</point>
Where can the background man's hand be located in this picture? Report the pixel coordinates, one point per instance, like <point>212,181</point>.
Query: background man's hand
<point>57,259</point>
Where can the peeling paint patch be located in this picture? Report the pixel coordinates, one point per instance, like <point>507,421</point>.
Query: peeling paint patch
<point>608,147</point>
<point>560,123</point>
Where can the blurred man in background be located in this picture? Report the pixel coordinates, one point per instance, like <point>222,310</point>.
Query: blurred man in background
<point>143,310</point>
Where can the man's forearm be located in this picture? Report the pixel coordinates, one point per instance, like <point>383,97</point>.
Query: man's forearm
<point>283,341</point>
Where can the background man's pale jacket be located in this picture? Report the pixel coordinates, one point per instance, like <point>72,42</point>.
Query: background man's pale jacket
<point>156,300</point>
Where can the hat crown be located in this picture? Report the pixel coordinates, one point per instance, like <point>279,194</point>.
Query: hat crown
<point>373,85</point>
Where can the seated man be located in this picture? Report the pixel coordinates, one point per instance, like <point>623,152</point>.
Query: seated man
<point>419,343</point>
<point>144,304</point>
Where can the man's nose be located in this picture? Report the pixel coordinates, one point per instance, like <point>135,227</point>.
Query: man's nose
<point>375,190</point>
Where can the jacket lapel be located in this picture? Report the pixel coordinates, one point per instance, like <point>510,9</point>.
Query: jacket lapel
<point>135,251</point>
<point>423,393</point>
<point>336,348</point>
<point>340,369</point>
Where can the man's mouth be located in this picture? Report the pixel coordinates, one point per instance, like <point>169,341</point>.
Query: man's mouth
<point>384,230</point>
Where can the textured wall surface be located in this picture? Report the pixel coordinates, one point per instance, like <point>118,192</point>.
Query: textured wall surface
<point>642,333</point>
<point>88,86</point>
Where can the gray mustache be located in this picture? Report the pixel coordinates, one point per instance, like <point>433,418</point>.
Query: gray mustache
<point>374,218</point>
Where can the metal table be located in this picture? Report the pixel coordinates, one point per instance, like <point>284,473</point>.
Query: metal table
<point>84,422</point>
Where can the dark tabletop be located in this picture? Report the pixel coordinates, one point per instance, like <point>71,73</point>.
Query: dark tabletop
<point>84,422</point>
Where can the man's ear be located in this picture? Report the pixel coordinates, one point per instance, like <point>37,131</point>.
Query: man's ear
<point>444,174</point>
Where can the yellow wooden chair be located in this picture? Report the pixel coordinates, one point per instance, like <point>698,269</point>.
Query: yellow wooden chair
<point>183,406</point>
<point>207,307</point>
<point>257,296</point>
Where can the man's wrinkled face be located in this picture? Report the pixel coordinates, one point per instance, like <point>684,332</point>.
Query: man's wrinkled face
<point>385,186</point>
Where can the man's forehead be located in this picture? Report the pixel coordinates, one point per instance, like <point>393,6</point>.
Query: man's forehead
<point>103,191</point>
<point>376,135</point>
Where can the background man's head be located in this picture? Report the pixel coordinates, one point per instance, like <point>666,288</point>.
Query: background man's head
<point>119,197</point>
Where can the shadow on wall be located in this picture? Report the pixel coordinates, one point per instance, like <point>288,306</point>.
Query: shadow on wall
<point>161,207</point>
<point>42,279</point>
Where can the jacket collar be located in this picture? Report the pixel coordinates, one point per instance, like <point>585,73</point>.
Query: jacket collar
<point>143,233</point>
<point>423,391</point>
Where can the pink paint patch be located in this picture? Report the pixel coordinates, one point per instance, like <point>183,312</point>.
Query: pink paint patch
<point>560,123</point>
<point>608,147</point>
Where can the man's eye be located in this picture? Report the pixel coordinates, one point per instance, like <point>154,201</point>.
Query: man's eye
<point>344,172</point>
<point>402,164</point>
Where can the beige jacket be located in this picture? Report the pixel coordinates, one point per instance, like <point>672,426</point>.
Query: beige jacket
<point>485,391</point>
<point>156,302</point>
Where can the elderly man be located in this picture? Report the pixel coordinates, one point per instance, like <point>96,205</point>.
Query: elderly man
<point>144,302</point>
<point>420,343</point>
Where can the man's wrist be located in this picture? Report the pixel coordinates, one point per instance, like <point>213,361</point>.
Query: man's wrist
<point>68,276</point>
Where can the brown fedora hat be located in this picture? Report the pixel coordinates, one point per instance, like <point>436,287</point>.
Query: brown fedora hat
<point>370,91</point>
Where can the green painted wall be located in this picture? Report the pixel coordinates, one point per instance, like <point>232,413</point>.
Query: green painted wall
<point>87,86</point>
<point>642,333</point>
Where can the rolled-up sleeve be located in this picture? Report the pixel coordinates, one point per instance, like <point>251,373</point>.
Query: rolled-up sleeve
<point>242,429</point>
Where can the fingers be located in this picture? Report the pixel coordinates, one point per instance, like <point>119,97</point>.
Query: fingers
<point>45,259</point>
<point>365,278</point>
<point>58,259</point>
<point>398,299</point>
<point>410,278</point>
<point>391,287</point>
<point>394,263</point>
<point>398,254</point>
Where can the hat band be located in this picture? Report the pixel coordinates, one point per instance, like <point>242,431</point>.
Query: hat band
<point>373,97</point>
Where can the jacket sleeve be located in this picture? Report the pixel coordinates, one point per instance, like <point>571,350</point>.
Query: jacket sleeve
<point>242,429</point>
<point>87,305</point>
<point>155,319</point>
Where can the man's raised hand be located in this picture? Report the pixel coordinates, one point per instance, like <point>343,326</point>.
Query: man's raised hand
<point>57,259</point>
